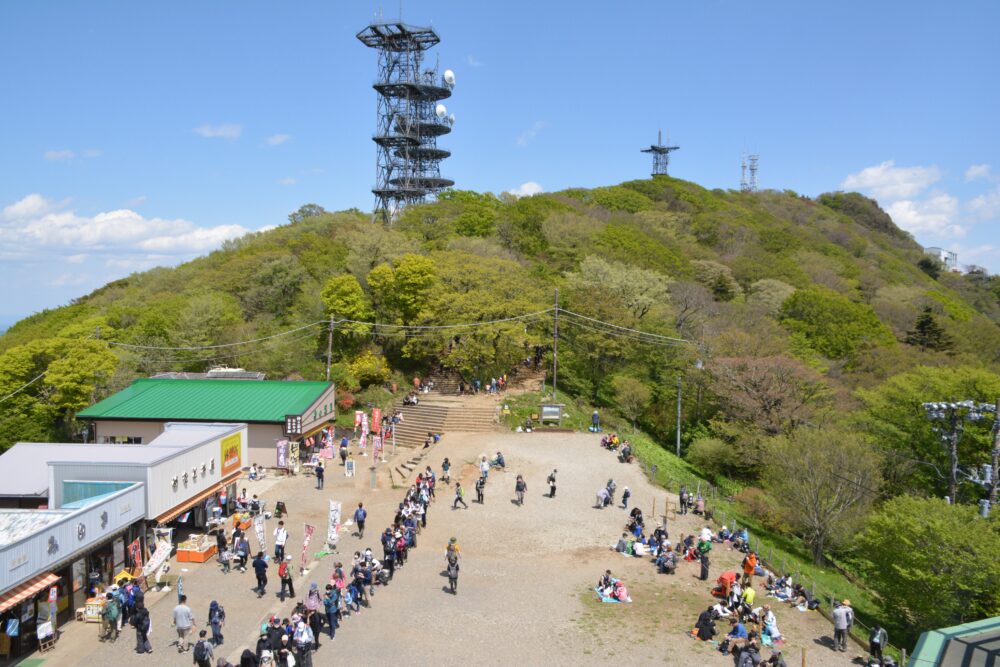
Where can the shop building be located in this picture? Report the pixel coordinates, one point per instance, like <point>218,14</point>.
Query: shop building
<point>102,504</point>
<point>272,410</point>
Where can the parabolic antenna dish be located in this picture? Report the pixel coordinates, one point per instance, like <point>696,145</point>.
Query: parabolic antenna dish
<point>451,119</point>
<point>449,77</point>
<point>441,111</point>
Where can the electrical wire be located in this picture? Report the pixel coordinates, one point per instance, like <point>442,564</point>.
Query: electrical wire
<point>213,357</point>
<point>192,348</point>
<point>24,386</point>
<point>615,326</point>
<point>435,327</point>
<point>668,342</point>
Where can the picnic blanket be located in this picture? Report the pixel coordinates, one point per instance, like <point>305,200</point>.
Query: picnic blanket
<point>604,598</point>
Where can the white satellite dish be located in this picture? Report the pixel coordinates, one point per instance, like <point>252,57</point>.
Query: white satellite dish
<point>449,77</point>
<point>451,119</point>
<point>441,111</point>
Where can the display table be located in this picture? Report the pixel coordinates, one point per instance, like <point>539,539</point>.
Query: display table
<point>196,549</point>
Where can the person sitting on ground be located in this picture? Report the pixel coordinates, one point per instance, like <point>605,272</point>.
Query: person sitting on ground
<point>705,626</point>
<point>605,580</point>
<point>770,623</point>
<point>735,637</point>
<point>776,660</point>
<point>498,461</point>
<point>741,540</point>
<point>699,506</point>
<point>253,472</point>
<point>724,535</point>
<point>720,610</point>
<point>666,562</point>
<point>622,546</point>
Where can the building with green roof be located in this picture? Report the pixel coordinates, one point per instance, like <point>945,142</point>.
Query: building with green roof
<point>272,409</point>
<point>976,643</point>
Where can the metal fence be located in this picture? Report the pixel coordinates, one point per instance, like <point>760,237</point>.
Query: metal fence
<point>770,558</point>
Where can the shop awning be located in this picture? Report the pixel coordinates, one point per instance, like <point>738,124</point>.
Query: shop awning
<point>172,514</point>
<point>27,590</point>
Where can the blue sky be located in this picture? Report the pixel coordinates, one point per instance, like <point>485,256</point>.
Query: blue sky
<point>141,134</point>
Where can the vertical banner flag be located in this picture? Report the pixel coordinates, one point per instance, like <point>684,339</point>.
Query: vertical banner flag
<point>376,420</point>
<point>282,447</point>
<point>306,539</point>
<point>358,415</point>
<point>258,528</point>
<point>376,446</point>
<point>135,553</point>
<point>327,452</point>
<point>53,607</point>
<point>333,523</point>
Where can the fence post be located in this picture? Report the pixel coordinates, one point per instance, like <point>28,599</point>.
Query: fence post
<point>902,655</point>
<point>803,656</point>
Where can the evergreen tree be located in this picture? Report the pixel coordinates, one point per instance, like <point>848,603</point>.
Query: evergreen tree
<point>927,334</point>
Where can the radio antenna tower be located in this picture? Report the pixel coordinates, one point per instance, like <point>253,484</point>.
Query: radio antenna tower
<point>661,155</point>
<point>744,186</point>
<point>752,161</point>
<point>410,117</point>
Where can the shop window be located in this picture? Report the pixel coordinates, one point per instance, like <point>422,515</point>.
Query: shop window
<point>120,440</point>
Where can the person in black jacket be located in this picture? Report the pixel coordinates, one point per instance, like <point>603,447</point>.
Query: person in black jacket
<point>248,659</point>
<point>140,619</point>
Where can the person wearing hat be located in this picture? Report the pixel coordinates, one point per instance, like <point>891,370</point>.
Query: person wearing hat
<point>303,639</point>
<point>453,549</point>
<point>843,619</point>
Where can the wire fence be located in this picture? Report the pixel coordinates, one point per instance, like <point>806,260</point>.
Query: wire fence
<point>770,558</point>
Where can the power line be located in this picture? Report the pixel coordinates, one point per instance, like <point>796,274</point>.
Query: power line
<point>420,327</point>
<point>640,339</point>
<point>24,386</point>
<point>192,348</point>
<point>216,357</point>
<point>621,328</point>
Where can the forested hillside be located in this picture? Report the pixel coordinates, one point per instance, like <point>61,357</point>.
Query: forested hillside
<point>820,326</point>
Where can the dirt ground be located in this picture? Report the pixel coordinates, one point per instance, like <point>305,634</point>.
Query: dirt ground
<point>527,573</point>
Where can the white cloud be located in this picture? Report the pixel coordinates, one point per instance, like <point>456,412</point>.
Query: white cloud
<point>978,172</point>
<point>278,139</point>
<point>474,62</point>
<point>64,155</point>
<point>526,189</point>
<point>35,223</point>
<point>529,135</point>
<point>287,180</point>
<point>986,207</point>
<point>889,182</point>
<point>137,201</point>
<point>32,205</point>
<point>221,131</point>
<point>935,216</point>
<point>77,259</point>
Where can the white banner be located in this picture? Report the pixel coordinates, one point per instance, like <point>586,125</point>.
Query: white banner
<point>333,523</point>
<point>258,527</point>
<point>160,556</point>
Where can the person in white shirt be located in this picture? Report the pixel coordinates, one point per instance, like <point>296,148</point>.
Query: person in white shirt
<point>280,537</point>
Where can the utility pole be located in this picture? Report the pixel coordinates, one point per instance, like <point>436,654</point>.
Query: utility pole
<point>555,349</point>
<point>329,348</point>
<point>678,414</point>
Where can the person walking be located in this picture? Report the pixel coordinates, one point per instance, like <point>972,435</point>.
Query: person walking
<point>682,496</point>
<point>260,570</point>
<point>216,619</point>
<point>877,640</point>
<point>203,653</point>
<point>480,486</point>
<point>140,619</point>
<point>843,619</point>
<point>284,573</point>
<point>704,567</point>
<point>520,486</point>
<point>453,574</point>
<point>552,484</point>
<point>304,640</point>
<point>183,622</point>
<point>331,603</point>
<point>343,451</point>
<point>626,494</point>
<point>459,496</point>
<point>484,467</point>
<point>445,471</point>
<point>280,538</point>
<point>320,472</point>
<point>242,551</point>
<point>360,515</point>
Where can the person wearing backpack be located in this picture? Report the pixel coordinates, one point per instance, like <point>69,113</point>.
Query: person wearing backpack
<point>109,617</point>
<point>360,515</point>
<point>140,619</point>
<point>453,574</point>
<point>286,579</point>
<point>203,653</point>
<point>459,496</point>
<point>216,619</point>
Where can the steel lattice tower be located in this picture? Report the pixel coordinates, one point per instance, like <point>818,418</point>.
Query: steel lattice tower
<point>410,117</point>
<point>661,155</point>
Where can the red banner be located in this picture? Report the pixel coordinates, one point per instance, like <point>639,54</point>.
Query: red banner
<point>135,553</point>
<point>307,537</point>
<point>376,420</point>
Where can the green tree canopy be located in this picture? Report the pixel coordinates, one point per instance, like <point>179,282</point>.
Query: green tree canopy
<point>832,324</point>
